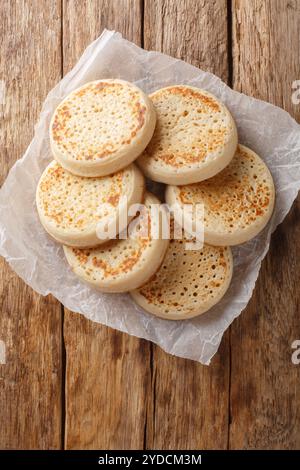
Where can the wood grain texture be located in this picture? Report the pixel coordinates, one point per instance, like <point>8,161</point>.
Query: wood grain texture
<point>189,402</point>
<point>122,392</point>
<point>30,325</point>
<point>106,388</point>
<point>265,398</point>
<point>191,30</point>
<point>107,379</point>
<point>84,21</point>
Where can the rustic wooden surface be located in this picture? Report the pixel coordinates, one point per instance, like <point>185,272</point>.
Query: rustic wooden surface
<point>265,392</point>
<point>70,383</point>
<point>182,411</point>
<point>30,325</point>
<point>110,366</point>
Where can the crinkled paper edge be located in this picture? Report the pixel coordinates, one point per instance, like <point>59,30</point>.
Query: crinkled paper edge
<point>208,346</point>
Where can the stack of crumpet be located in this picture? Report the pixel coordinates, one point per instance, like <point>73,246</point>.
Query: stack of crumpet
<point>105,138</point>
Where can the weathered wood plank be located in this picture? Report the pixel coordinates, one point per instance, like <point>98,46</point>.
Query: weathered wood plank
<point>265,398</point>
<point>189,403</point>
<point>107,372</point>
<point>30,325</point>
<point>84,21</point>
<point>106,388</point>
<point>194,31</point>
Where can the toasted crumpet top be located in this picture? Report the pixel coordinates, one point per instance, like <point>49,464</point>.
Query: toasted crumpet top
<point>71,205</point>
<point>188,283</point>
<point>238,202</point>
<point>194,131</point>
<point>122,264</point>
<point>101,127</point>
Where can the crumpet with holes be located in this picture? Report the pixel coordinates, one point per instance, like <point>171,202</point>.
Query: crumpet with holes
<point>195,136</point>
<point>188,283</point>
<point>101,127</point>
<point>70,207</point>
<point>238,202</point>
<point>123,264</point>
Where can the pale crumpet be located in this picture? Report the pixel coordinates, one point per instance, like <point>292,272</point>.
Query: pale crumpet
<point>238,202</point>
<point>188,283</point>
<point>70,207</point>
<point>122,264</point>
<point>101,127</point>
<point>195,136</point>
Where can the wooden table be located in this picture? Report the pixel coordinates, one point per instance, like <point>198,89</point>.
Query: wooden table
<point>70,383</point>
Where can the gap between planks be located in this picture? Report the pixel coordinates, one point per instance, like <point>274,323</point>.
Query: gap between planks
<point>63,344</point>
<point>230,83</point>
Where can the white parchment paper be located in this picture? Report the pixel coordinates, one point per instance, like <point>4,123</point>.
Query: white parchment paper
<point>40,262</point>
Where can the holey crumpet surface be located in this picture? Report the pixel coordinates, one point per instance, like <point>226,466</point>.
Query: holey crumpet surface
<point>123,264</point>
<point>238,202</point>
<point>71,207</point>
<point>195,136</point>
<point>188,283</point>
<point>101,127</point>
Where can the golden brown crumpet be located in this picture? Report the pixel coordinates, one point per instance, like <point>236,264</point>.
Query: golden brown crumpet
<point>121,265</point>
<point>70,207</point>
<point>238,202</point>
<point>195,136</point>
<point>101,127</point>
<point>188,283</point>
